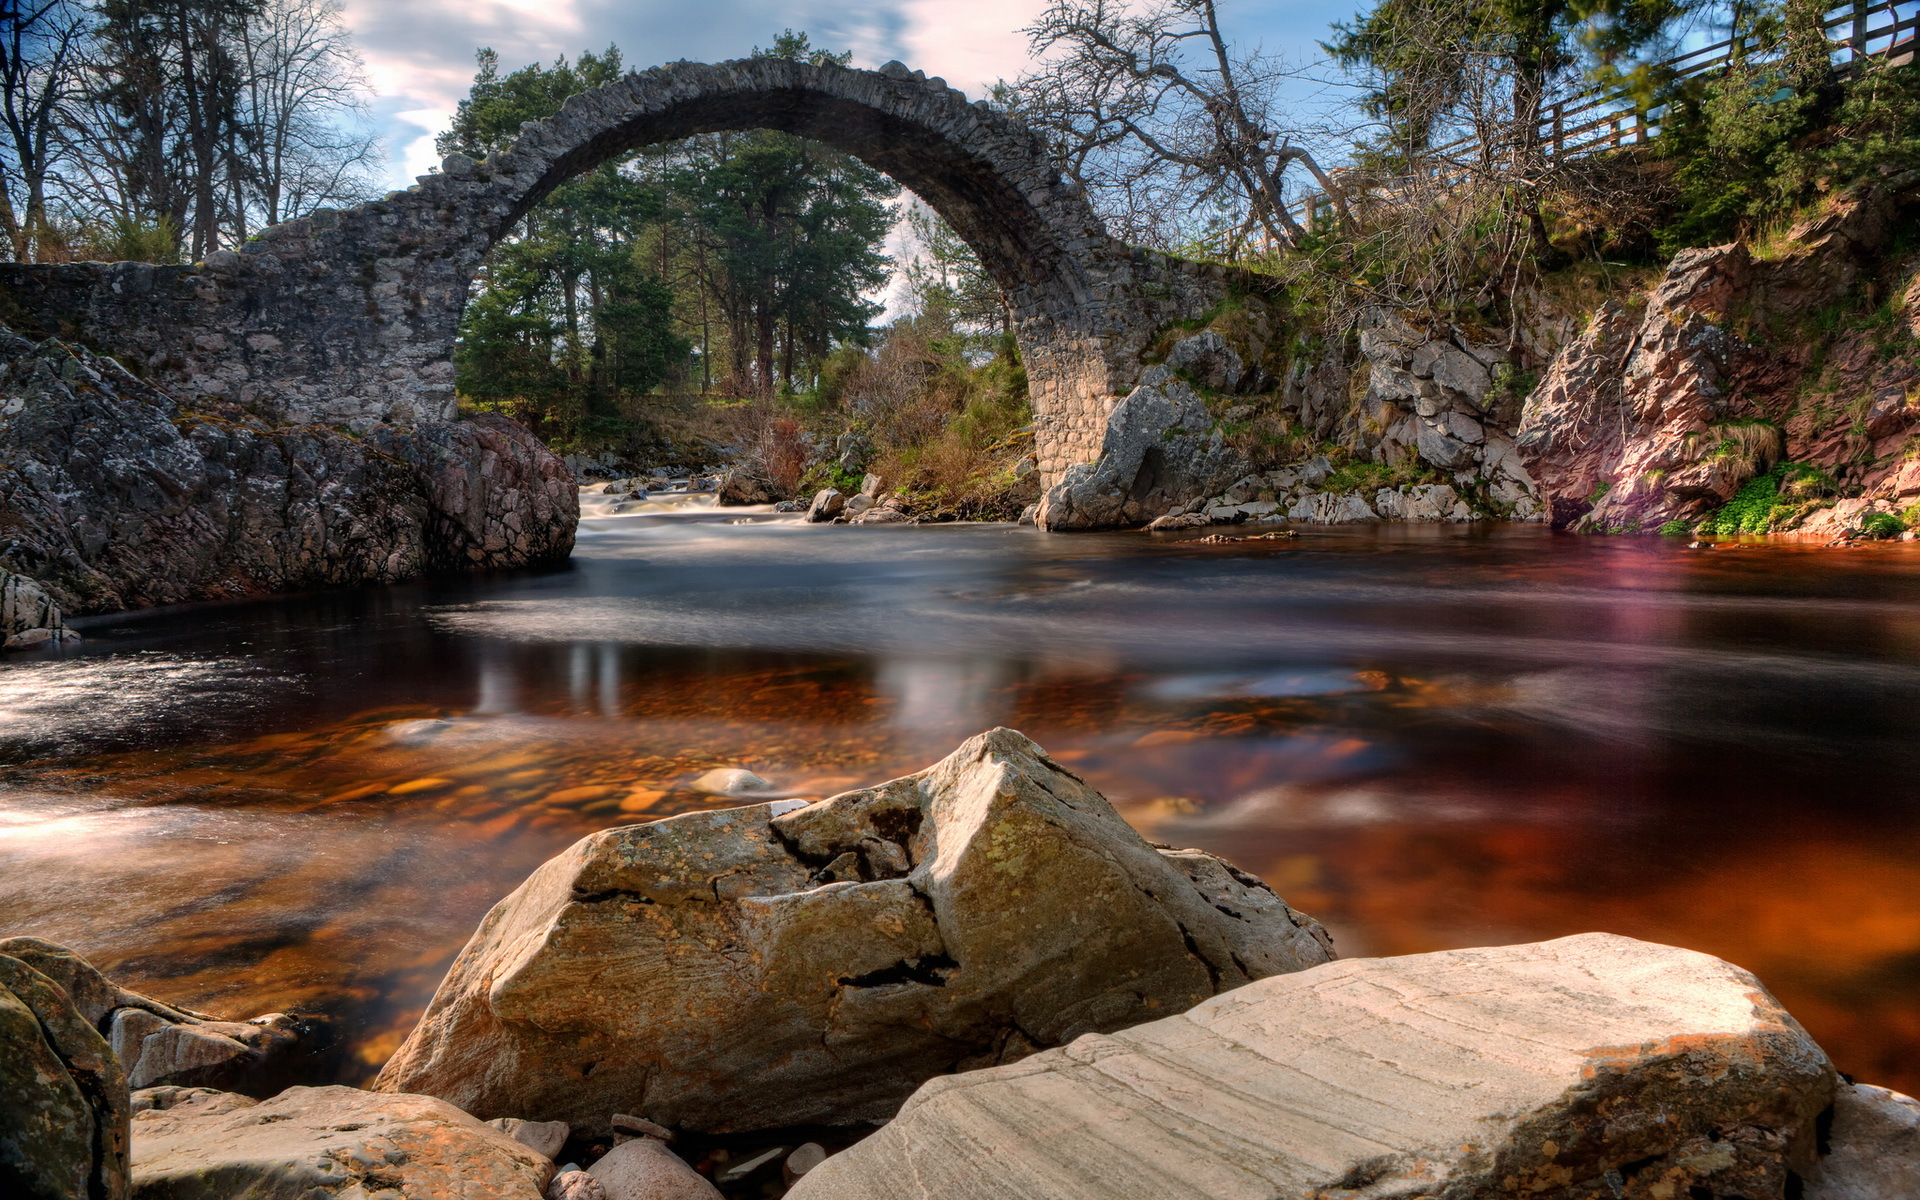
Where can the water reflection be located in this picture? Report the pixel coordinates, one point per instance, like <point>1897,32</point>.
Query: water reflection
<point>1428,738</point>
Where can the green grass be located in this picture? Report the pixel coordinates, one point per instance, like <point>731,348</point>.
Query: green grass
<point>1770,500</point>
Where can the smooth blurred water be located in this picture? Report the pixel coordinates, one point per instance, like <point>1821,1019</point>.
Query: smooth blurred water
<point>1426,736</point>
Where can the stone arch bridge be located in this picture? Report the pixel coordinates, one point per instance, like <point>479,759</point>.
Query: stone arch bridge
<point>350,316</point>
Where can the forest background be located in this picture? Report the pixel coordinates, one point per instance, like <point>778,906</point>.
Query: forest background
<point>719,298</point>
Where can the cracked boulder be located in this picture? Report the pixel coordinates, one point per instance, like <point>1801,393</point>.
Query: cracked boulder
<point>781,965</point>
<point>1593,1067</point>
<point>316,1143</point>
<point>158,1044</point>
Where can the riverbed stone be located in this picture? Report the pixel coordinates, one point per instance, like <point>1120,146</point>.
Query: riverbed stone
<point>1586,1068</point>
<point>782,965</point>
<point>827,504</point>
<point>1873,1147</point>
<point>63,1098</point>
<point>316,1143</point>
<point>646,1169</point>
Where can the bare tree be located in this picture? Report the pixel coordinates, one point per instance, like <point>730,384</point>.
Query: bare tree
<point>1163,123</point>
<point>302,138</point>
<point>40,41</point>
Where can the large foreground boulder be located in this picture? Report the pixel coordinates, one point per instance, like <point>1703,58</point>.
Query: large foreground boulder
<point>782,965</point>
<point>1589,1068</point>
<point>116,495</point>
<point>63,1100</point>
<point>317,1143</point>
<point>157,1043</point>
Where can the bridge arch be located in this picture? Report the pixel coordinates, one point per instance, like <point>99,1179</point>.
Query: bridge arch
<point>351,315</point>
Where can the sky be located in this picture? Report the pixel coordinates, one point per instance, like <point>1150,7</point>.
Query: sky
<point>419,53</point>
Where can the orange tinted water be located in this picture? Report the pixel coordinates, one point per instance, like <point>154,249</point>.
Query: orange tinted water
<point>1428,738</point>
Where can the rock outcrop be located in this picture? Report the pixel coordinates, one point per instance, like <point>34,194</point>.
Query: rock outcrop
<point>1589,1068</point>
<point>782,965</point>
<point>120,497</point>
<point>158,1044</point>
<point>316,1143</point>
<point>1432,396</point>
<point>1661,411</point>
<point>1161,449</point>
<point>63,1098</point>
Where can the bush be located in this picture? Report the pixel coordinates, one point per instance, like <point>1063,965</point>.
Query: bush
<point>1881,525</point>
<point>1751,510</point>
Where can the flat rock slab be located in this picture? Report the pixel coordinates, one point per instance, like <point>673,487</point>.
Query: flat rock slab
<point>325,1142</point>
<point>1592,1067</point>
<point>782,965</point>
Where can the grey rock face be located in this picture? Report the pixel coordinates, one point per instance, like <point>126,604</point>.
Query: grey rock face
<point>63,1099</point>
<point>1161,449</point>
<point>324,1142</point>
<point>1873,1147</point>
<point>1208,360</point>
<point>122,497</point>
<point>1585,1068</point>
<point>768,966</point>
<point>156,1043</point>
<point>24,606</point>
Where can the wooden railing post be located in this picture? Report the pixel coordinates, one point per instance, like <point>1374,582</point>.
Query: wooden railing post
<point>1858,42</point>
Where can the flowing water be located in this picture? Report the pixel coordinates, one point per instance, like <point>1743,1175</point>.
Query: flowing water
<point>1428,737</point>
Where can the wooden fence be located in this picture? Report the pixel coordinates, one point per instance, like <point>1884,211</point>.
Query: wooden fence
<point>1609,117</point>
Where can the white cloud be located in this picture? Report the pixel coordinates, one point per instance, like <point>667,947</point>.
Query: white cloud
<point>972,45</point>
<point>419,53</point>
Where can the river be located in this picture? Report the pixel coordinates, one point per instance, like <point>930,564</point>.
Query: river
<point>1428,737</point>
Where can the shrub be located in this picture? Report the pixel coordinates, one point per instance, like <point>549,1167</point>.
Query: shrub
<point>1751,510</point>
<point>1881,525</point>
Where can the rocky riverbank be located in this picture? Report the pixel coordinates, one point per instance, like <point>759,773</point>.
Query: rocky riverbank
<point>975,981</point>
<point>116,495</point>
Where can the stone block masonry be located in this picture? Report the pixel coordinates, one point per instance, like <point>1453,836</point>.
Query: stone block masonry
<point>350,316</point>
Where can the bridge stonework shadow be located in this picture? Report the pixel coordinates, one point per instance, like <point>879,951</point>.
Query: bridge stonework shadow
<point>351,316</point>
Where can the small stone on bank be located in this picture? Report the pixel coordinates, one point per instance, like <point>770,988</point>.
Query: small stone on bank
<point>542,1137</point>
<point>575,1185</point>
